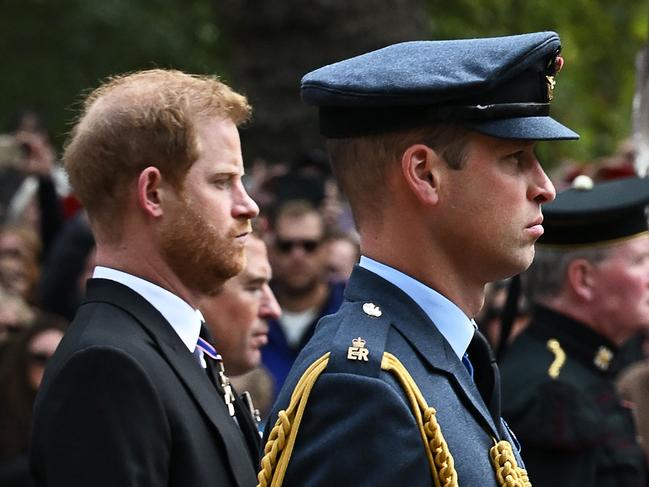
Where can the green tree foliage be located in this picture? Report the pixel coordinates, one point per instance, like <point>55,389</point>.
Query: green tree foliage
<point>600,40</point>
<point>52,51</point>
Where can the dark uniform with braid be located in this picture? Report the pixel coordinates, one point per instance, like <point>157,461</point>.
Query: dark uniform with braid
<point>562,403</point>
<point>558,376</point>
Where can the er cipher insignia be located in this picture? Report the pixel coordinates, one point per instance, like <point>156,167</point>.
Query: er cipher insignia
<point>358,351</point>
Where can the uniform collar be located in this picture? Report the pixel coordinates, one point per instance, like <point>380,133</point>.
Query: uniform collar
<point>456,327</point>
<point>185,320</point>
<point>576,339</point>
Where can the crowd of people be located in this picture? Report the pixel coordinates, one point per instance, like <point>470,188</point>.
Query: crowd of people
<point>187,263</point>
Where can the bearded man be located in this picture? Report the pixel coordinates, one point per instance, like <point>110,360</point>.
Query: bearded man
<point>135,394</point>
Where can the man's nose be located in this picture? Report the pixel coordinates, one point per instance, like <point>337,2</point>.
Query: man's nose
<point>269,309</point>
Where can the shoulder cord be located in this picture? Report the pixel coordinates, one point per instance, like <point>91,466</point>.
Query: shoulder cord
<point>281,440</point>
<point>282,437</point>
<point>559,358</point>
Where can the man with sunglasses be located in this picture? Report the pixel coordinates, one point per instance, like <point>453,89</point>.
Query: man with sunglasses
<point>297,256</point>
<point>433,143</point>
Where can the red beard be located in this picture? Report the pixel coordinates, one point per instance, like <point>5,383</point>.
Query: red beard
<point>202,257</point>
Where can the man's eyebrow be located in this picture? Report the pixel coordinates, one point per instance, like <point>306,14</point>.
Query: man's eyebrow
<point>519,143</point>
<point>257,279</point>
<point>225,173</point>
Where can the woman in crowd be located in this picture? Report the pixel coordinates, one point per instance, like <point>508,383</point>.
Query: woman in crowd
<point>21,372</point>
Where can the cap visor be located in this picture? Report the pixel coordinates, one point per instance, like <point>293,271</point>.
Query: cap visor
<point>528,128</point>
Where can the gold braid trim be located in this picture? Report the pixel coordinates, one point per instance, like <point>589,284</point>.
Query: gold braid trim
<point>281,440</point>
<point>279,447</point>
<point>508,473</point>
<point>559,358</point>
<point>439,456</point>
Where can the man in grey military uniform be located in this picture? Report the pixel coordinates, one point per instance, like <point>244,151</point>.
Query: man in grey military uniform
<point>433,144</point>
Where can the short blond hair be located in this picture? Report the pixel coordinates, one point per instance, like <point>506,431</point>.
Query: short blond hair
<point>361,164</point>
<point>137,120</point>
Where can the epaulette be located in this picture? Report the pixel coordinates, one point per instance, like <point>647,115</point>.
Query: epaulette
<point>359,343</point>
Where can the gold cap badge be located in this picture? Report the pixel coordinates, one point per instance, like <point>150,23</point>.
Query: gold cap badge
<point>554,67</point>
<point>551,84</point>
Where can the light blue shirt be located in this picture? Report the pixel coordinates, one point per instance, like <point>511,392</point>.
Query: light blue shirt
<point>452,323</point>
<point>185,320</point>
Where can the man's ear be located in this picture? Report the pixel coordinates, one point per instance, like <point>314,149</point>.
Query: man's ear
<point>581,278</point>
<point>420,169</point>
<point>149,188</point>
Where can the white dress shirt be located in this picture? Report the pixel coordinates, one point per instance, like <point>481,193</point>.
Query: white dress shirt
<point>185,320</point>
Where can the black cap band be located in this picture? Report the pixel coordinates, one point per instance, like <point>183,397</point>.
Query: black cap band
<point>593,231</point>
<point>342,122</point>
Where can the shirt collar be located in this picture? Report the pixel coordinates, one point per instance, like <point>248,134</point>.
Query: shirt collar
<point>185,320</point>
<point>452,323</point>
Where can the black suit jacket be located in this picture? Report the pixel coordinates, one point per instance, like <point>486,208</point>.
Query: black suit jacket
<point>124,403</point>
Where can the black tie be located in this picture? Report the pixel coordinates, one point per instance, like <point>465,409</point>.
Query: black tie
<point>486,374</point>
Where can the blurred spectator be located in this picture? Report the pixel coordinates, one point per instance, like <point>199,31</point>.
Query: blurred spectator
<point>238,315</point>
<point>28,191</point>
<point>42,188</point>
<point>307,178</point>
<point>259,184</point>
<point>621,164</point>
<point>259,383</point>
<point>20,250</point>
<point>67,268</point>
<point>633,386</point>
<point>342,252</point>
<point>488,319</point>
<point>15,314</point>
<point>21,372</point>
<point>300,283</point>
<point>494,311</point>
<point>29,120</point>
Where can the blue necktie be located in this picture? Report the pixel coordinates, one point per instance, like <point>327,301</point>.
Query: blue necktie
<point>467,363</point>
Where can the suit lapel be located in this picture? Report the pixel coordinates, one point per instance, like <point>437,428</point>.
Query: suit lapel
<point>422,334</point>
<point>174,351</point>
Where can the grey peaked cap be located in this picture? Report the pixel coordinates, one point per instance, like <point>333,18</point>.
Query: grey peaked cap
<point>499,86</point>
